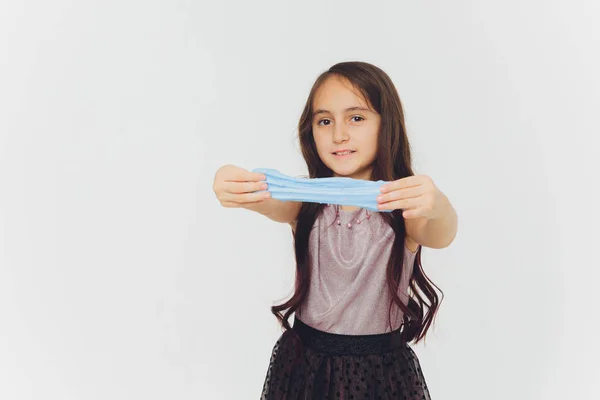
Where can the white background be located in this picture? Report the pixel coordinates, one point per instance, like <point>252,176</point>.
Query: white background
<point>122,277</point>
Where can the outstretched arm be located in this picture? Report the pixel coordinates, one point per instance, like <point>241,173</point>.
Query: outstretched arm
<point>236,187</point>
<point>429,217</point>
<point>277,210</point>
<point>438,232</point>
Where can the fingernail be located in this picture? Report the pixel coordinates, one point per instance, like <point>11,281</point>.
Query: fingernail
<point>263,186</point>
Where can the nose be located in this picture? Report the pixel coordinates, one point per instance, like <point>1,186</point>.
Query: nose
<point>340,133</point>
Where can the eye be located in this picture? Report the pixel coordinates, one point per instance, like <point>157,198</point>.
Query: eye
<point>319,123</point>
<point>358,116</point>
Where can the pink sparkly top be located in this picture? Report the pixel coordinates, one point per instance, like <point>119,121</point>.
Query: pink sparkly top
<point>348,292</point>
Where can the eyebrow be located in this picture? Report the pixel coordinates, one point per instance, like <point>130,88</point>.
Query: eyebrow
<point>321,111</point>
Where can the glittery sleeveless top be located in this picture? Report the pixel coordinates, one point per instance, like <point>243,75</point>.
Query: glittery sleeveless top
<point>348,291</point>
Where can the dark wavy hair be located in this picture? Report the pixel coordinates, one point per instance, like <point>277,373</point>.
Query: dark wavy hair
<point>393,162</point>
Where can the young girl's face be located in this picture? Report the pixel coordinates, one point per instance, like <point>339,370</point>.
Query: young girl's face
<point>344,122</point>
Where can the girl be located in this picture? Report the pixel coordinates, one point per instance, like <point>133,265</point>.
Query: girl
<point>361,295</point>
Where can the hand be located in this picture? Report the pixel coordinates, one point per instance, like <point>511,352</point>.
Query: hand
<point>416,195</point>
<point>234,187</point>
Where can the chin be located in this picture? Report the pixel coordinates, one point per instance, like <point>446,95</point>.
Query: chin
<point>349,172</point>
<point>340,170</point>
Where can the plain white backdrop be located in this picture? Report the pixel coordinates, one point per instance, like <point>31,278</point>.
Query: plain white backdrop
<point>122,277</point>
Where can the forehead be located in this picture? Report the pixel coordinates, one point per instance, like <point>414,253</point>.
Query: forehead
<point>336,94</point>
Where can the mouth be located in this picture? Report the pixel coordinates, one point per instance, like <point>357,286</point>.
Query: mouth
<point>343,153</point>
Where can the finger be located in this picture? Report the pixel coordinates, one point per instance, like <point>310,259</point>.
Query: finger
<point>401,183</point>
<point>243,187</point>
<point>404,204</point>
<point>400,194</point>
<point>242,175</point>
<point>414,213</point>
<point>245,198</point>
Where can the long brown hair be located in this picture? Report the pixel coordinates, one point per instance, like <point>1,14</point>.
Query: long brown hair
<point>393,162</point>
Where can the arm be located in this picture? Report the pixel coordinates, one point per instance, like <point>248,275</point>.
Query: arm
<point>436,233</point>
<point>238,188</point>
<point>429,217</point>
<point>277,210</point>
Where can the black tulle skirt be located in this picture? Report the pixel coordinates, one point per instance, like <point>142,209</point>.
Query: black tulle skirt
<point>319,365</point>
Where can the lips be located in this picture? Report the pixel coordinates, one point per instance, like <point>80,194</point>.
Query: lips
<point>343,152</point>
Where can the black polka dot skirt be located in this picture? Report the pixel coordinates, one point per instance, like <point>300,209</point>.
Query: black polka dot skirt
<point>307,363</point>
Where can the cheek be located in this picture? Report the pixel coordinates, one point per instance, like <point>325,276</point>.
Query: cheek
<point>368,140</point>
<point>373,138</point>
<point>319,139</point>
<point>373,143</point>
